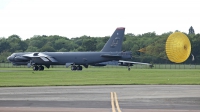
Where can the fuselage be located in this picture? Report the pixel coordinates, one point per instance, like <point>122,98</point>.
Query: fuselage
<point>78,58</point>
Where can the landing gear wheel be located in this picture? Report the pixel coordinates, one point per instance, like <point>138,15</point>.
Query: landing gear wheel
<point>41,68</point>
<point>35,67</point>
<point>73,68</point>
<point>79,67</point>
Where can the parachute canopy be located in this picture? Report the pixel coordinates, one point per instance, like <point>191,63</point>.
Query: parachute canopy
<point>178,47</point>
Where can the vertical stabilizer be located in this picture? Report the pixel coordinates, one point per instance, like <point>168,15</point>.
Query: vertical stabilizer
<point>114,44</point>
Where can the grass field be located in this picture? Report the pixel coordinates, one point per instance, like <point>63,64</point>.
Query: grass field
<point>96,76</point>
<point>136,66</point>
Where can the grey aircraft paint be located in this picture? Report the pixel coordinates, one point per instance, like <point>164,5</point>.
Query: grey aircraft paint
<point>111,51</point>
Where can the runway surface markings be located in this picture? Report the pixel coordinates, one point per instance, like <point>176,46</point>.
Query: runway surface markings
<point>114,102</point>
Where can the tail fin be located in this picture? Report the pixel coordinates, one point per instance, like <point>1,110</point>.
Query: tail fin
<point>114,44</point>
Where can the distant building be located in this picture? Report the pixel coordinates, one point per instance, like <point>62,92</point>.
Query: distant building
<point>191,30</point>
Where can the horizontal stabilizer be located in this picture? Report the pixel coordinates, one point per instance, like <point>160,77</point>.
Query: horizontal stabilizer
<point>132,62</point>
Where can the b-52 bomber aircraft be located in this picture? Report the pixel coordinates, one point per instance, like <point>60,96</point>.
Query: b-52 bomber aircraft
<point>112,50</point>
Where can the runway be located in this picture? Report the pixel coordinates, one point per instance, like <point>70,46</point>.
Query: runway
<point>130,98</point>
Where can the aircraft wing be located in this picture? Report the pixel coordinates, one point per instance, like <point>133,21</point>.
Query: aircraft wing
<point>45,58</point>
<point>122,62</point>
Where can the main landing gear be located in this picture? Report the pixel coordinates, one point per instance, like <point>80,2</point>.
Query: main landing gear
<point>73,67</point>
<point>38,68</point>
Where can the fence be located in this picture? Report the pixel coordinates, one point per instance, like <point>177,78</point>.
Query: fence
<point>136,66</point>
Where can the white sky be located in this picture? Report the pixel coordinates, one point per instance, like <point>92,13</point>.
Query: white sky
<point>75,18</point>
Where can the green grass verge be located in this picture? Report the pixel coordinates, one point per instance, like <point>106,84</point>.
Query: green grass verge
<point>97,76</point>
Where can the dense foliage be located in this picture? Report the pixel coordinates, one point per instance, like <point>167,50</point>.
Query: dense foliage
<point>151,45</point>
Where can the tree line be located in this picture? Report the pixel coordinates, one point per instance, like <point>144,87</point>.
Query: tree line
<point>148,47</point>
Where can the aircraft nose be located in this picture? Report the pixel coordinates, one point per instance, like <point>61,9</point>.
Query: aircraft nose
<point>9,58</point>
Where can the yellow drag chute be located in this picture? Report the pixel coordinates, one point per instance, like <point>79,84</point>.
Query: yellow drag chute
<point>178,47</point>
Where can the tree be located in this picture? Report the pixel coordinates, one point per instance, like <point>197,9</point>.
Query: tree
<point>4,45</point>
<point>63,44</point>
<point>89,44</point>
<point>47,48</point>
<point>32,49</point>
<point>3,56</point>
<point>195,42</point>
<point>191,30</point>
<point>14,43</point>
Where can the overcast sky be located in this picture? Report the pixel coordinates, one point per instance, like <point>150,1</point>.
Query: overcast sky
<point>75,18</point>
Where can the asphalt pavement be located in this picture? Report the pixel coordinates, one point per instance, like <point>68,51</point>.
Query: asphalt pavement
<point>131,98</point>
